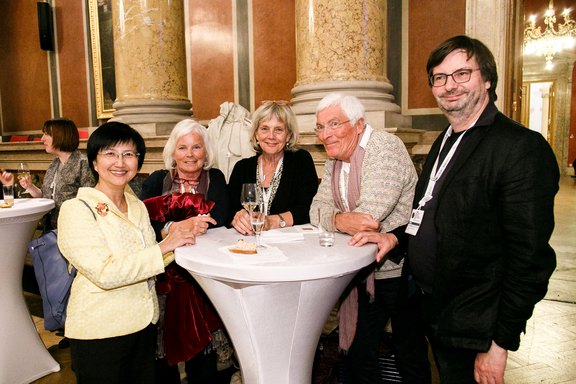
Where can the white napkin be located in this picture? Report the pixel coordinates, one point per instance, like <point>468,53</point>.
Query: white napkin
<point>276,236</point>
<point>266,254</point>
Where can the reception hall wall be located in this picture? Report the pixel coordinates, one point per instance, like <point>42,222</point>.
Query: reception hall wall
<point>237,50</point>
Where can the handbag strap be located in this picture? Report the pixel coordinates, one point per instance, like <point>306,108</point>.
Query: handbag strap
<point>91,211</point>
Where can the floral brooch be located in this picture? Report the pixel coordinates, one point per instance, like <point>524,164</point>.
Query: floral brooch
<point>102,209</point>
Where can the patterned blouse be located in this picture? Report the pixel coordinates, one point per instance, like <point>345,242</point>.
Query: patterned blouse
<point>61,183</point>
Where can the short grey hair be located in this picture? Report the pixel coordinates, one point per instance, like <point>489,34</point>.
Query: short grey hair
<point>350,105</point>
<point>184,128</point>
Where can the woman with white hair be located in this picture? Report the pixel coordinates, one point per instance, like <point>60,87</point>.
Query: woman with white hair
<point>188,157</point>
<point>190,329</point>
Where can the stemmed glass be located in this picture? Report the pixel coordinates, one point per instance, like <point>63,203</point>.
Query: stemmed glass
<point>257,221</point>
<point>22,172</point>
<point>248,196</point>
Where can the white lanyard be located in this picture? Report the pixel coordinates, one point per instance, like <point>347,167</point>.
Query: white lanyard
<point>437,173</point>
<point>53,185</point>
<point>417,213</point>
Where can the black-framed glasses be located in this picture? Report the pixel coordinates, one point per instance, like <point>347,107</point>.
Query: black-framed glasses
<point>460,76</point>
<point>112,155</point>
<point>331,125</point>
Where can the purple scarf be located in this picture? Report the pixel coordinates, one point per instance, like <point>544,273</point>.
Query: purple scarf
<point>348,314</point>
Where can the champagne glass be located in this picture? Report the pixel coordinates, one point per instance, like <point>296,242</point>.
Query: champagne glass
<point>248,196</point>
<point>257,221</point>
<point>22,172</point>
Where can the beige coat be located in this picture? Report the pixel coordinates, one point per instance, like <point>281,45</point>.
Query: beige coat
<point>117,258</point>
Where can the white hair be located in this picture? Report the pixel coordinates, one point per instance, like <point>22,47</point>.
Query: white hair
<point>184,128</point>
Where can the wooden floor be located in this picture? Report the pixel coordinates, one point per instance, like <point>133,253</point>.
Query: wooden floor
<point>548,349</point>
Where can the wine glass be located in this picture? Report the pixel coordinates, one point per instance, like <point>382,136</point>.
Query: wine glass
<point>22,172</point>
<point>248,196</point>
<point>257,221</point>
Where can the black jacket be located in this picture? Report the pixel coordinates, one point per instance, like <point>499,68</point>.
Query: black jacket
<point>494,218</point>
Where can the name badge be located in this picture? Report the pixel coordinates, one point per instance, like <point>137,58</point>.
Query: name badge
<point>415,221</point>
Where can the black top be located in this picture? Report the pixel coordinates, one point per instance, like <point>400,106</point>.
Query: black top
<point>423,245</point>
<point>298,185</point>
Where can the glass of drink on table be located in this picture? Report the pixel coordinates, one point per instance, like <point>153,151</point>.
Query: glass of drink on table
<point>325,237</point>
<point>257,221</point>
<point>8,191</point>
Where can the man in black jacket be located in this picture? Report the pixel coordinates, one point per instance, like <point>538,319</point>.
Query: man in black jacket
<point>483,215</point>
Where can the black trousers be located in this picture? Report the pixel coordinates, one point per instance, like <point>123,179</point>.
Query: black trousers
<point>455,365</point>
<point>411,347</point>
<point>116,360</point>
<point>201,369</point>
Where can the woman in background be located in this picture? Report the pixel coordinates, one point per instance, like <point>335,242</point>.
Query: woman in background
<point>202,344</point>
<point>66,173</point>
<point>285,176</point>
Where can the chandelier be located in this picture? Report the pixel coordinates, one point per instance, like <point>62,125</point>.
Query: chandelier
<point>554,39</point>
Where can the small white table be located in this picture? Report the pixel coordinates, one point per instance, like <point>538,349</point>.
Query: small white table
<point>23,356</point>
<point>274,311</point>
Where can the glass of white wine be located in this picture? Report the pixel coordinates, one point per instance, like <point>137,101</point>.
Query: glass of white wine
<point>248,196</point>
<point>22,172</point>
<point>257,217</point>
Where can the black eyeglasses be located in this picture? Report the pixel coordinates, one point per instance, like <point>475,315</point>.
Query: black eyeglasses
<point>460,76</point>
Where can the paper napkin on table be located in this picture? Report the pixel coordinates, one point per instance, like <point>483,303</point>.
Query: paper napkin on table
<point>275,236</point>
<point>266,254</point>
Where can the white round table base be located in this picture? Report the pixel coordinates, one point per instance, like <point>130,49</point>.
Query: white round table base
<point>23,356</point>
<point>263,319</point>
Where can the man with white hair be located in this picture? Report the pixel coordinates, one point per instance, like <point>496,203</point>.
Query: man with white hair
<point>367,191</point>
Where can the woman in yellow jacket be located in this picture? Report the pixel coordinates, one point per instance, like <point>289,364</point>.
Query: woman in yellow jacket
<point>113,305</point>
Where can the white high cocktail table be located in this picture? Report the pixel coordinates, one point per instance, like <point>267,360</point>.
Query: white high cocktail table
<point>23,356</point>
<point>274,311</point>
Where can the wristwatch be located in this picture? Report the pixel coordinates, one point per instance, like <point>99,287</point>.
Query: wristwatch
<point>282,221</point>
<point>166,227</point>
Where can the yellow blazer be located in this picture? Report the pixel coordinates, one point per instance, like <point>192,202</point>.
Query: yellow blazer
<point>117,258</point>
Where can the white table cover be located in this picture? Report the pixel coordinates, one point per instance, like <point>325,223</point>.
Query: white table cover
<point>23,356</point>
<point>274,311</point>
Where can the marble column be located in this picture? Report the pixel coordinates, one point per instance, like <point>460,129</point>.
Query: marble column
<point>341,46</point>
<point>150,65</point>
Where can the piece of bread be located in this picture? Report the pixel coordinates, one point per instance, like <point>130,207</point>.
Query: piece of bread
<point>243,247</point>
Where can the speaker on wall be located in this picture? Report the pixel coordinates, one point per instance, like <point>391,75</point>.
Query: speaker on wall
<point>45,26</point>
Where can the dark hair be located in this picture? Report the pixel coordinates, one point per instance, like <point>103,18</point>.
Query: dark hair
<point>108,135</point>
<point>474,48</point>
<point>64,134</point>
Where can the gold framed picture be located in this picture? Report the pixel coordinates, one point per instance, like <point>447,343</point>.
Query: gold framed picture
<point>102,42</point>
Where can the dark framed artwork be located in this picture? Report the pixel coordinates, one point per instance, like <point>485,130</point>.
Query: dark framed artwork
<point>102,41</point>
